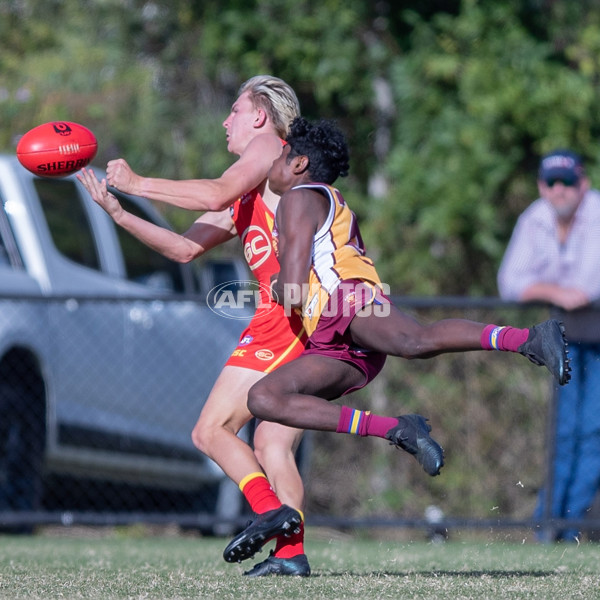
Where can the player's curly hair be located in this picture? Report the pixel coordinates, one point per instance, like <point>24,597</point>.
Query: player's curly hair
<point>324,145</point>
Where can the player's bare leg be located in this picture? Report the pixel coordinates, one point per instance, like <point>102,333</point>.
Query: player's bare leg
<point>387,329</point>
<point>297,395</point>
<point>223,415</point>
<point>391,331</point>
<point>275,447</point>
<point>215,434</point>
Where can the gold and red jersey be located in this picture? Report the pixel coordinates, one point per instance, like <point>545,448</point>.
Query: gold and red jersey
<point>272,337</point>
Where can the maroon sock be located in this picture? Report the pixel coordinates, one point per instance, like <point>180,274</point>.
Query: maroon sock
<point>506,338</point>
<point>513,338</point>
<point>364,423</point>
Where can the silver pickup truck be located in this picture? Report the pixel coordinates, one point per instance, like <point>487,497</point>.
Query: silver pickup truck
<point>107,352</point>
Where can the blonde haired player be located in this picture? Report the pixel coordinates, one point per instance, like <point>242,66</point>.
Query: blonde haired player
<point>239,202</point>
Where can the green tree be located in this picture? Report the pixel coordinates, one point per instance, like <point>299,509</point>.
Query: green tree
<point>447,105</point>
<point>478,99</point>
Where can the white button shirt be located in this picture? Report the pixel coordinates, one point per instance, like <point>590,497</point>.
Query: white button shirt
<point>535,255</point>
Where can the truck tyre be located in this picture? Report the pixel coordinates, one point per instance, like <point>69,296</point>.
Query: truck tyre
<point>22,443</point>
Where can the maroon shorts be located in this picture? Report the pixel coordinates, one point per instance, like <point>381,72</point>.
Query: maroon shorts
<point>332,336</point>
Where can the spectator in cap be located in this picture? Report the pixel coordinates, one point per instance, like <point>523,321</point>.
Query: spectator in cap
<point>554,256</point>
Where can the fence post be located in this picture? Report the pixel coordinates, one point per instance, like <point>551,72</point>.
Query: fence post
<point>547,532</point>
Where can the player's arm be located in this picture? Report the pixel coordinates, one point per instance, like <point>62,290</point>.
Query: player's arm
<point>299,216</point>
<point>210,230</point>
<point>246,174</point>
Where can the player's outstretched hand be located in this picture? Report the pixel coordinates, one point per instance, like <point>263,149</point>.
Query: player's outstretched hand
<point>121,176</point>
<point>100,195</point>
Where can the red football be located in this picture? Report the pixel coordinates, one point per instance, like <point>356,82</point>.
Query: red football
<point>57,149</point>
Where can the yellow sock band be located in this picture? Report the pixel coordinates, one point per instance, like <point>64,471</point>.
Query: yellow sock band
<point>248,478</point>
<point>494,335</point>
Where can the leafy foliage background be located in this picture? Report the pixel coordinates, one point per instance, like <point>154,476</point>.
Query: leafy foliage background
<point>447,105</point>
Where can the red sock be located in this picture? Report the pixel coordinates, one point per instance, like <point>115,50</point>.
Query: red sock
<point>288,547</point>
<point>364,423</point>
<point>259,493</point>
<point>506,338</point>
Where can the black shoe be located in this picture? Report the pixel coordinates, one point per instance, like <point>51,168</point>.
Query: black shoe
<point>280,521</point>
<point>547,345</point>
<point>412,434</point>
<point>297,565</point>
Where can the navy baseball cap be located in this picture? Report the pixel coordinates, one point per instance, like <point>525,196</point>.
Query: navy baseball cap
<point>561,165</point>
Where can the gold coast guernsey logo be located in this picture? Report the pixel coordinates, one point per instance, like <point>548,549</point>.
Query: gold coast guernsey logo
<point>257,246</point>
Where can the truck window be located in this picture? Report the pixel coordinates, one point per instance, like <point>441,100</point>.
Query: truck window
<point>3,251</point>
<point>4,259</point>
<point>67,221</point>
<point>9,252</point>
<point>144,265</point>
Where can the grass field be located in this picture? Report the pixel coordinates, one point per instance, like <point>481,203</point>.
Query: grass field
<point>135,565</point>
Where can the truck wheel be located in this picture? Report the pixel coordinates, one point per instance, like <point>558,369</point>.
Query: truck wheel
<point>22,442</point>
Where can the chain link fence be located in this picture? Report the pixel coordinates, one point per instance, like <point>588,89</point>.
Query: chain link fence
<point>98,397</point>
<point>97,407</point>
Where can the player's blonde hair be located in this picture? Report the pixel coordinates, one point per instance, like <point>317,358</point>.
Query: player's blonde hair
<point>276,97</point>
